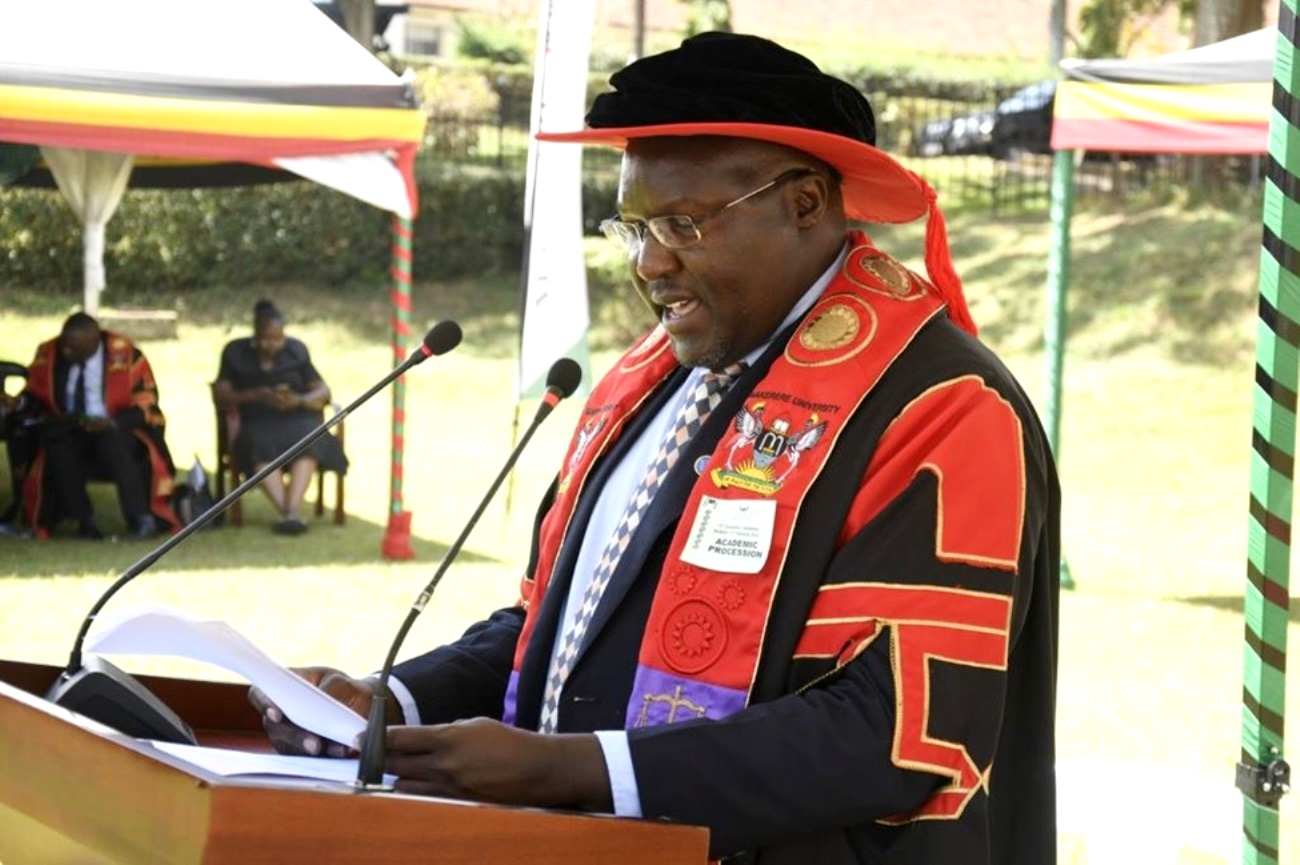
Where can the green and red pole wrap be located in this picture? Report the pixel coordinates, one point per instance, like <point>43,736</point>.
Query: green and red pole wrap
<point>397,537</point>
<point>1263,774</point>
<point>1058,280</point>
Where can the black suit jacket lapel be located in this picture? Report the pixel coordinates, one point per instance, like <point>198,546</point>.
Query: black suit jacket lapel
<point>537,658</point>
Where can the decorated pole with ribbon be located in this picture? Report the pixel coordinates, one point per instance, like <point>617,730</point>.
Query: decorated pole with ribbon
<point>1263,775</point>
<point>1058,279</point>
<point>397,537</point>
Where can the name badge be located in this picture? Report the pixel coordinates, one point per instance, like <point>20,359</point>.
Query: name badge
<point>734,536</point>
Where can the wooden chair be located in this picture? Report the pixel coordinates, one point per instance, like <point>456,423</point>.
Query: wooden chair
<point>17,448</point>
<point>228,475</point>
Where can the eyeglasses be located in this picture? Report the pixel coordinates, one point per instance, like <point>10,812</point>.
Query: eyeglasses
<point>680,230</point>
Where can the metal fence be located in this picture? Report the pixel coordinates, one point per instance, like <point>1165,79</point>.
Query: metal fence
<point>980,144</point>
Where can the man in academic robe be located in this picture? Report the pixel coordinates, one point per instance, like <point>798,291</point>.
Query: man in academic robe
<point>796,580</point>
<point>94,400</point>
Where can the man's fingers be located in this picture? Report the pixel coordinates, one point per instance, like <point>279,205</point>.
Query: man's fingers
<point>410,740</point>
<point>264,706</point>
<point>413,787</point>
<point>288,739</point>
<point>337,749</point>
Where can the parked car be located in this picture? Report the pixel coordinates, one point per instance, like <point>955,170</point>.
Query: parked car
<point>963,134</point>
<point>1023,121</point>
<point>929,139</point>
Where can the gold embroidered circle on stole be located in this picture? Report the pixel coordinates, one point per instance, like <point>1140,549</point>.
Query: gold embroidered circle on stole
<point>875,271</point>
<point>836,329</point>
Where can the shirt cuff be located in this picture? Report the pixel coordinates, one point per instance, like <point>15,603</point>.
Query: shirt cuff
<point>622,778</point>
<point>410,711</point>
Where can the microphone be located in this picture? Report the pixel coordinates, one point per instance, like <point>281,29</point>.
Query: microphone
<point>101,690</point>
<point>561,381</point>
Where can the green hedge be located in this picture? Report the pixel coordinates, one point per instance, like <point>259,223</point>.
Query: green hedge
<point>470,222</point>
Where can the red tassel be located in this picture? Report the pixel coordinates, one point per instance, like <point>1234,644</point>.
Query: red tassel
<point>397,537</point>
<point>938,263</point>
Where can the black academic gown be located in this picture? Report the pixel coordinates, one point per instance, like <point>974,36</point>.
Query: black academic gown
<point>807,773</point>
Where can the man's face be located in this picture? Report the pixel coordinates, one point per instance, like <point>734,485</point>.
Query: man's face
<point>725,295</point>
<point>78,345</point>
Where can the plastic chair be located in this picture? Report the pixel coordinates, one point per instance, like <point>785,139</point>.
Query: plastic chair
<point>1129,812</point>
<point>228,476</point>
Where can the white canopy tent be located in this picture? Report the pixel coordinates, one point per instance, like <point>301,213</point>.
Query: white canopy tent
<point>272,83</point>
<point>269,83</point>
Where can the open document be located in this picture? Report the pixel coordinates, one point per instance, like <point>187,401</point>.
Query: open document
<point>281,768</point>
<point>160,630</point>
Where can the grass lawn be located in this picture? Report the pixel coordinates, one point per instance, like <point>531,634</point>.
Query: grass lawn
<point>1154,465</point>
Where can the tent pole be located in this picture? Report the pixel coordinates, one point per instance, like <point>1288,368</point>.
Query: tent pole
<point>397,537</point>
<point>1263,775</point>
<point>1058,281</point>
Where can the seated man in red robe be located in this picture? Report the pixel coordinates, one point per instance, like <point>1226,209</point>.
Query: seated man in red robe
<point>93,405</point>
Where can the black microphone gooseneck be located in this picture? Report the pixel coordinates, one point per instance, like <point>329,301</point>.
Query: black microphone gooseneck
<point>101,690</point>
<point>561,381</point>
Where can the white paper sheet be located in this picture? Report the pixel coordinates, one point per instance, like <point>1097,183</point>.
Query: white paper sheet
<point>160,630</point>
<point>230,764</point>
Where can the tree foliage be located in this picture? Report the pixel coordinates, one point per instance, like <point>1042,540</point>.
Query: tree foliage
<point>707,15</point>
<point>495,41</point>
<point>1110,28</point>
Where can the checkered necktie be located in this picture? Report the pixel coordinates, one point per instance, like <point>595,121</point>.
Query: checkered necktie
<point>703,400</point>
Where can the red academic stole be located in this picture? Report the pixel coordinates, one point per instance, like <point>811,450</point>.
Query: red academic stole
<point>123,368</point>
<point>702,641</point>
<point>128,382</point>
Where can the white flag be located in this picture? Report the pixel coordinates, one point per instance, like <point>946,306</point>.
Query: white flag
<point>554,316</point>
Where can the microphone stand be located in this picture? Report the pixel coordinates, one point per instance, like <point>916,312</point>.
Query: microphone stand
<point>563,379</point>
<point>103,691</point>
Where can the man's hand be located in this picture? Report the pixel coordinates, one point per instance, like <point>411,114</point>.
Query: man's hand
<point>96,424</point>
<point>289,738</point>
<point>487,761</point>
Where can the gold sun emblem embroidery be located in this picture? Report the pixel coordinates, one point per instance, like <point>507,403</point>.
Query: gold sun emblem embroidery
<point>892,275</point>
<point>831,329</point>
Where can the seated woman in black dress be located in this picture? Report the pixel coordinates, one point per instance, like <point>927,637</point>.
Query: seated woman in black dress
<point>279,394</point>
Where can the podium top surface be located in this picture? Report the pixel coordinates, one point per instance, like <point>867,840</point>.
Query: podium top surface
<point>74,791</point>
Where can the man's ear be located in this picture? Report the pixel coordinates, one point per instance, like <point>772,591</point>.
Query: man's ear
<point>812,198</point>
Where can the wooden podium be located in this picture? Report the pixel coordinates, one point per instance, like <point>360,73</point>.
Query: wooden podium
<point>75,793</point>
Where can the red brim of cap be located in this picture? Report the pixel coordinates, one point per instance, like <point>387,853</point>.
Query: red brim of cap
<point>877,188</point>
